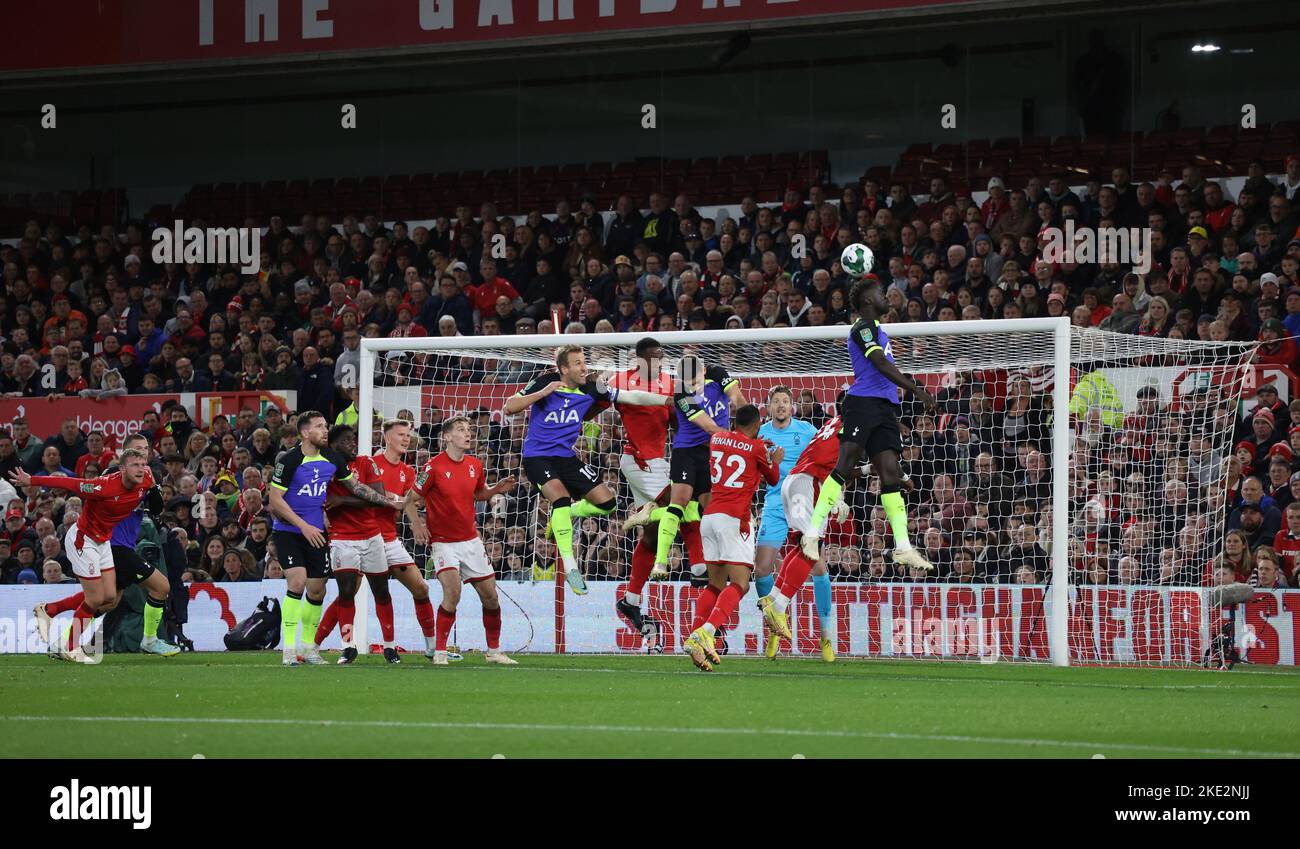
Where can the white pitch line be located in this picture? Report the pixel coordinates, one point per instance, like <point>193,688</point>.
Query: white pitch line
<point>907,678</point>
<point>644,729</point>
<point>863,678</point>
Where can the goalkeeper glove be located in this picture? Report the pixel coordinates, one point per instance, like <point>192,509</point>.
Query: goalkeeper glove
<point>842,511</point>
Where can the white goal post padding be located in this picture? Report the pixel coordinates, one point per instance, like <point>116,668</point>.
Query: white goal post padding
<point>431,378</point>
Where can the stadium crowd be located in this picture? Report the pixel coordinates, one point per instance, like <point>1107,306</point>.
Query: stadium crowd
<point>89,314</point>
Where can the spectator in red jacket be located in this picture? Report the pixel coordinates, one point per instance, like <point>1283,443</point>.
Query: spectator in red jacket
<point>995,204</point>
<point>96,453</point>
<point>1277,349</point>
<point>484,296</point>
<point>1218,212</point>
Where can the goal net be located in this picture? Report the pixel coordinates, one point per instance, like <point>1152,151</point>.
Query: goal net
<point>1117,504</point>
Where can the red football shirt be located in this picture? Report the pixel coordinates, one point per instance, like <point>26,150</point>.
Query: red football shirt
<point>484,296</point>
<point>107,500</point>
<point>645,429</point>
<point>448,488</point>
<point>354,522</point>
<point>1287,546</point>
<point>822,453</point>
<point>398,479</point>
<point>737,465</point>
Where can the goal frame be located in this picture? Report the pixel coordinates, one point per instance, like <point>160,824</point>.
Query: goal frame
<point>1057,597</point>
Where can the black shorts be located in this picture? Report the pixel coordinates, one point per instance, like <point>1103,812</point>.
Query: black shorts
<point>691,466</point>
<point>871,423</point>
<point>130,566</point>
<point>295,552</point>
<point>578,477</point>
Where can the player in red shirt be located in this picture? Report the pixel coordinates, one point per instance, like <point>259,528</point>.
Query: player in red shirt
<point>798,495</point>
<point>356,547</point>
<point>738,463</point>
<point>450,484</point>
<point>399,483</point>
<point>106,502</point>
<point>645,468</point>
<point>396,480</point>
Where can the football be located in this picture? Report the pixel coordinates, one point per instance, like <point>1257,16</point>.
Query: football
<point>857,260</point>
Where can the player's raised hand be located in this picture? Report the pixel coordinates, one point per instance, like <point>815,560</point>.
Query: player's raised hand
<point>313,536</point>
<point>20,477</point>
<point>777,455</point>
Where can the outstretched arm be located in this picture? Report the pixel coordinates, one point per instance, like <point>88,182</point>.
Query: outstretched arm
<point>352,500</point>
<point>370,497</point>
<point>486,492</point>
<point>84,488</point>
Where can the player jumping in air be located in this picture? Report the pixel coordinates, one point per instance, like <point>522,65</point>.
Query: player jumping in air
<point>386,473</point>
<point>108,501</point>
<point>738,461</point>
<point>702,402</point>
<point>869,423</point>
<point>297,501</point>
<point>793,435</point>
<point>645,468</point>
<point>450,484</point>
<point>559,400</point>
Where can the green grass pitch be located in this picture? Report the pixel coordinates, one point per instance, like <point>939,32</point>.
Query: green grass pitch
<point>247,705</point>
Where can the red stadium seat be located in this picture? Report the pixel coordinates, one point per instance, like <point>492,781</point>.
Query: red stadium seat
<point>731,164</point>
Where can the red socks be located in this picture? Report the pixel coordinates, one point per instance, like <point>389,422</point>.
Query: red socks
<point>794,571</point>
<point>63,605</point>
<point>492,626</point>
<point>81,622</point>
<point>694,543</point>
<point>328,620</point>
<point>447,618</point>
<point>424,615</point>
<point>728,601</point>
<point>643,560</point>
<point>384,610</point>
<point>704,603</point>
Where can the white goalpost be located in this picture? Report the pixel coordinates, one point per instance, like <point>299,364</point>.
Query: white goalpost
<point>1057,454</point>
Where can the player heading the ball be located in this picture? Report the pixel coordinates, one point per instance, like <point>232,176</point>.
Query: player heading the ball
<point>870,425</point>
<point>559,400</point>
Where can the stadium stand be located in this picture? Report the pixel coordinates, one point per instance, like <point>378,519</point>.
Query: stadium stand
<point>87,312</point>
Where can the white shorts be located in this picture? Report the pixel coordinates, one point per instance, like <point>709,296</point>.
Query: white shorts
<point>646,484</point>
<point>396,554</point>
<point>798,501</point>
<point>359,555</point>
<point>90,559</point>
<point>724,542</point>
<point>468,557</point>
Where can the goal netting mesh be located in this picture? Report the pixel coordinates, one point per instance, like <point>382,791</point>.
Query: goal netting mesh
<point>1151,423</point>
